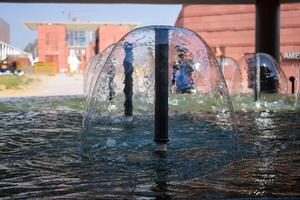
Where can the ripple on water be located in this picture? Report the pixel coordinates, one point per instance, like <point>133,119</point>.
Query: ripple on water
<point>44,155</point>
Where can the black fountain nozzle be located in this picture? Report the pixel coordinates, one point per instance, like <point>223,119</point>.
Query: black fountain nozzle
<point>161,85</point>
<point>257,73</point>
<point>161,88</point>
<point>128,82</point>
<point>265,78</point>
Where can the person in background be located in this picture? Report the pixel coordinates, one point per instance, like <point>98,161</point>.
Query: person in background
<point>73,62</point>
<point>183,71</point>
<point>8,66</point>
<point>3,66</point>
<point>12,66</point>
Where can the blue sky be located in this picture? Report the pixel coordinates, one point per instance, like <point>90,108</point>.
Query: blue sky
<point>143,14</point>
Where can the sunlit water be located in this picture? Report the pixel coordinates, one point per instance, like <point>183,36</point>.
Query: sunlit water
<point>43,154</point>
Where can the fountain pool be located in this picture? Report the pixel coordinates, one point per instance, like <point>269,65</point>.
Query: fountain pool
<point>45,153</point>
<point>43,156</point>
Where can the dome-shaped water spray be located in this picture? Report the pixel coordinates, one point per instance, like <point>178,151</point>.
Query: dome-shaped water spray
<point>87,72</point>
<point>159,79</point>
<point>232,74</point>
<point>93,68</point>
<point>264,82</point>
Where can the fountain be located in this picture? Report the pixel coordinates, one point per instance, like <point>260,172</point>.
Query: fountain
<point>153,78</point>
<point>263,83</point>
<point>44,153</point>
<point>94,66</point>
<point>232,74</point>
<point>87,74</point>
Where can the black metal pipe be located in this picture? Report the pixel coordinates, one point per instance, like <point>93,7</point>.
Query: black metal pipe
<point>128,94</point>
<point>161,85</point>
<point>267,41</point>
<point>257,73</point>
<point>128,82</point>
<point>267,31</point>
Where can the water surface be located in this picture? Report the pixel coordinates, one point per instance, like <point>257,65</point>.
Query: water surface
<point>45,155</point>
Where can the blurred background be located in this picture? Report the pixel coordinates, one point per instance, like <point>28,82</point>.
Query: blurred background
<point>44,48</point>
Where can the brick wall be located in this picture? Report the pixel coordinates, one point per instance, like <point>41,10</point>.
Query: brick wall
<point>232,27</point>
<point>109,34</point>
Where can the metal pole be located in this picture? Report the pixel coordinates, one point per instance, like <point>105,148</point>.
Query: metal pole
<point>128,82</point>
<point>268,27</point>
<point>298,88</point>
<point>257,78</point>
<point>161,88</point>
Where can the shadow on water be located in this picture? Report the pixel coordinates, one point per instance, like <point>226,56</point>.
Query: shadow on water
<point>161,185</point>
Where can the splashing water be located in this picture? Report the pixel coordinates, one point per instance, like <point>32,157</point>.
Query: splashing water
<point>264,84</point>
<point>93,68</point>
<point>197,89</point>
<point>232,74</point>
<point>87,74</point>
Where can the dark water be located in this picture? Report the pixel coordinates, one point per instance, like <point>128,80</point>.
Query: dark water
<point>44,155</point>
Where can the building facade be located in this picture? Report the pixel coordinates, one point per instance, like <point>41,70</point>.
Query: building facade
<point>109,34</point>
<point>52,44</point>
<point>4,31</point>
<point>57,41</point>
<point>6,49</point>
<point>231,30</point>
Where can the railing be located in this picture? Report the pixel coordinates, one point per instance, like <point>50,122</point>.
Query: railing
<point>9,50</point>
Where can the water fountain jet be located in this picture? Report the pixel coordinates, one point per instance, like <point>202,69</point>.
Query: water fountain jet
<point>264,79</point>
<point>93,68</point>
<point>169,73</point>
<point>232,74</point>
<point>161,88</point>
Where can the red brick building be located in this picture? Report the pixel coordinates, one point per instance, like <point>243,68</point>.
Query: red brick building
<point>231,28</point>
<point>52,44</point>
<point>110,33</point>
<point>58,40</point>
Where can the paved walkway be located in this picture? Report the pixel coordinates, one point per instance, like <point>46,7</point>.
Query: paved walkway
<point>59,85</point>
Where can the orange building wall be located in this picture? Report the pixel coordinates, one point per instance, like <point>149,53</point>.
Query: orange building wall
<point>52,45</point>
<point>109,34</point>
<point>232,28</point>
<point>90,50</point>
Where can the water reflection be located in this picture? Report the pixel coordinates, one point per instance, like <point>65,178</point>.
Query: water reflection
<point>161,178</point>
<point>264,175</point>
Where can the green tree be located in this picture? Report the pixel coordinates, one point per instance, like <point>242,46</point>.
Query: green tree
<point>32,48</point>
